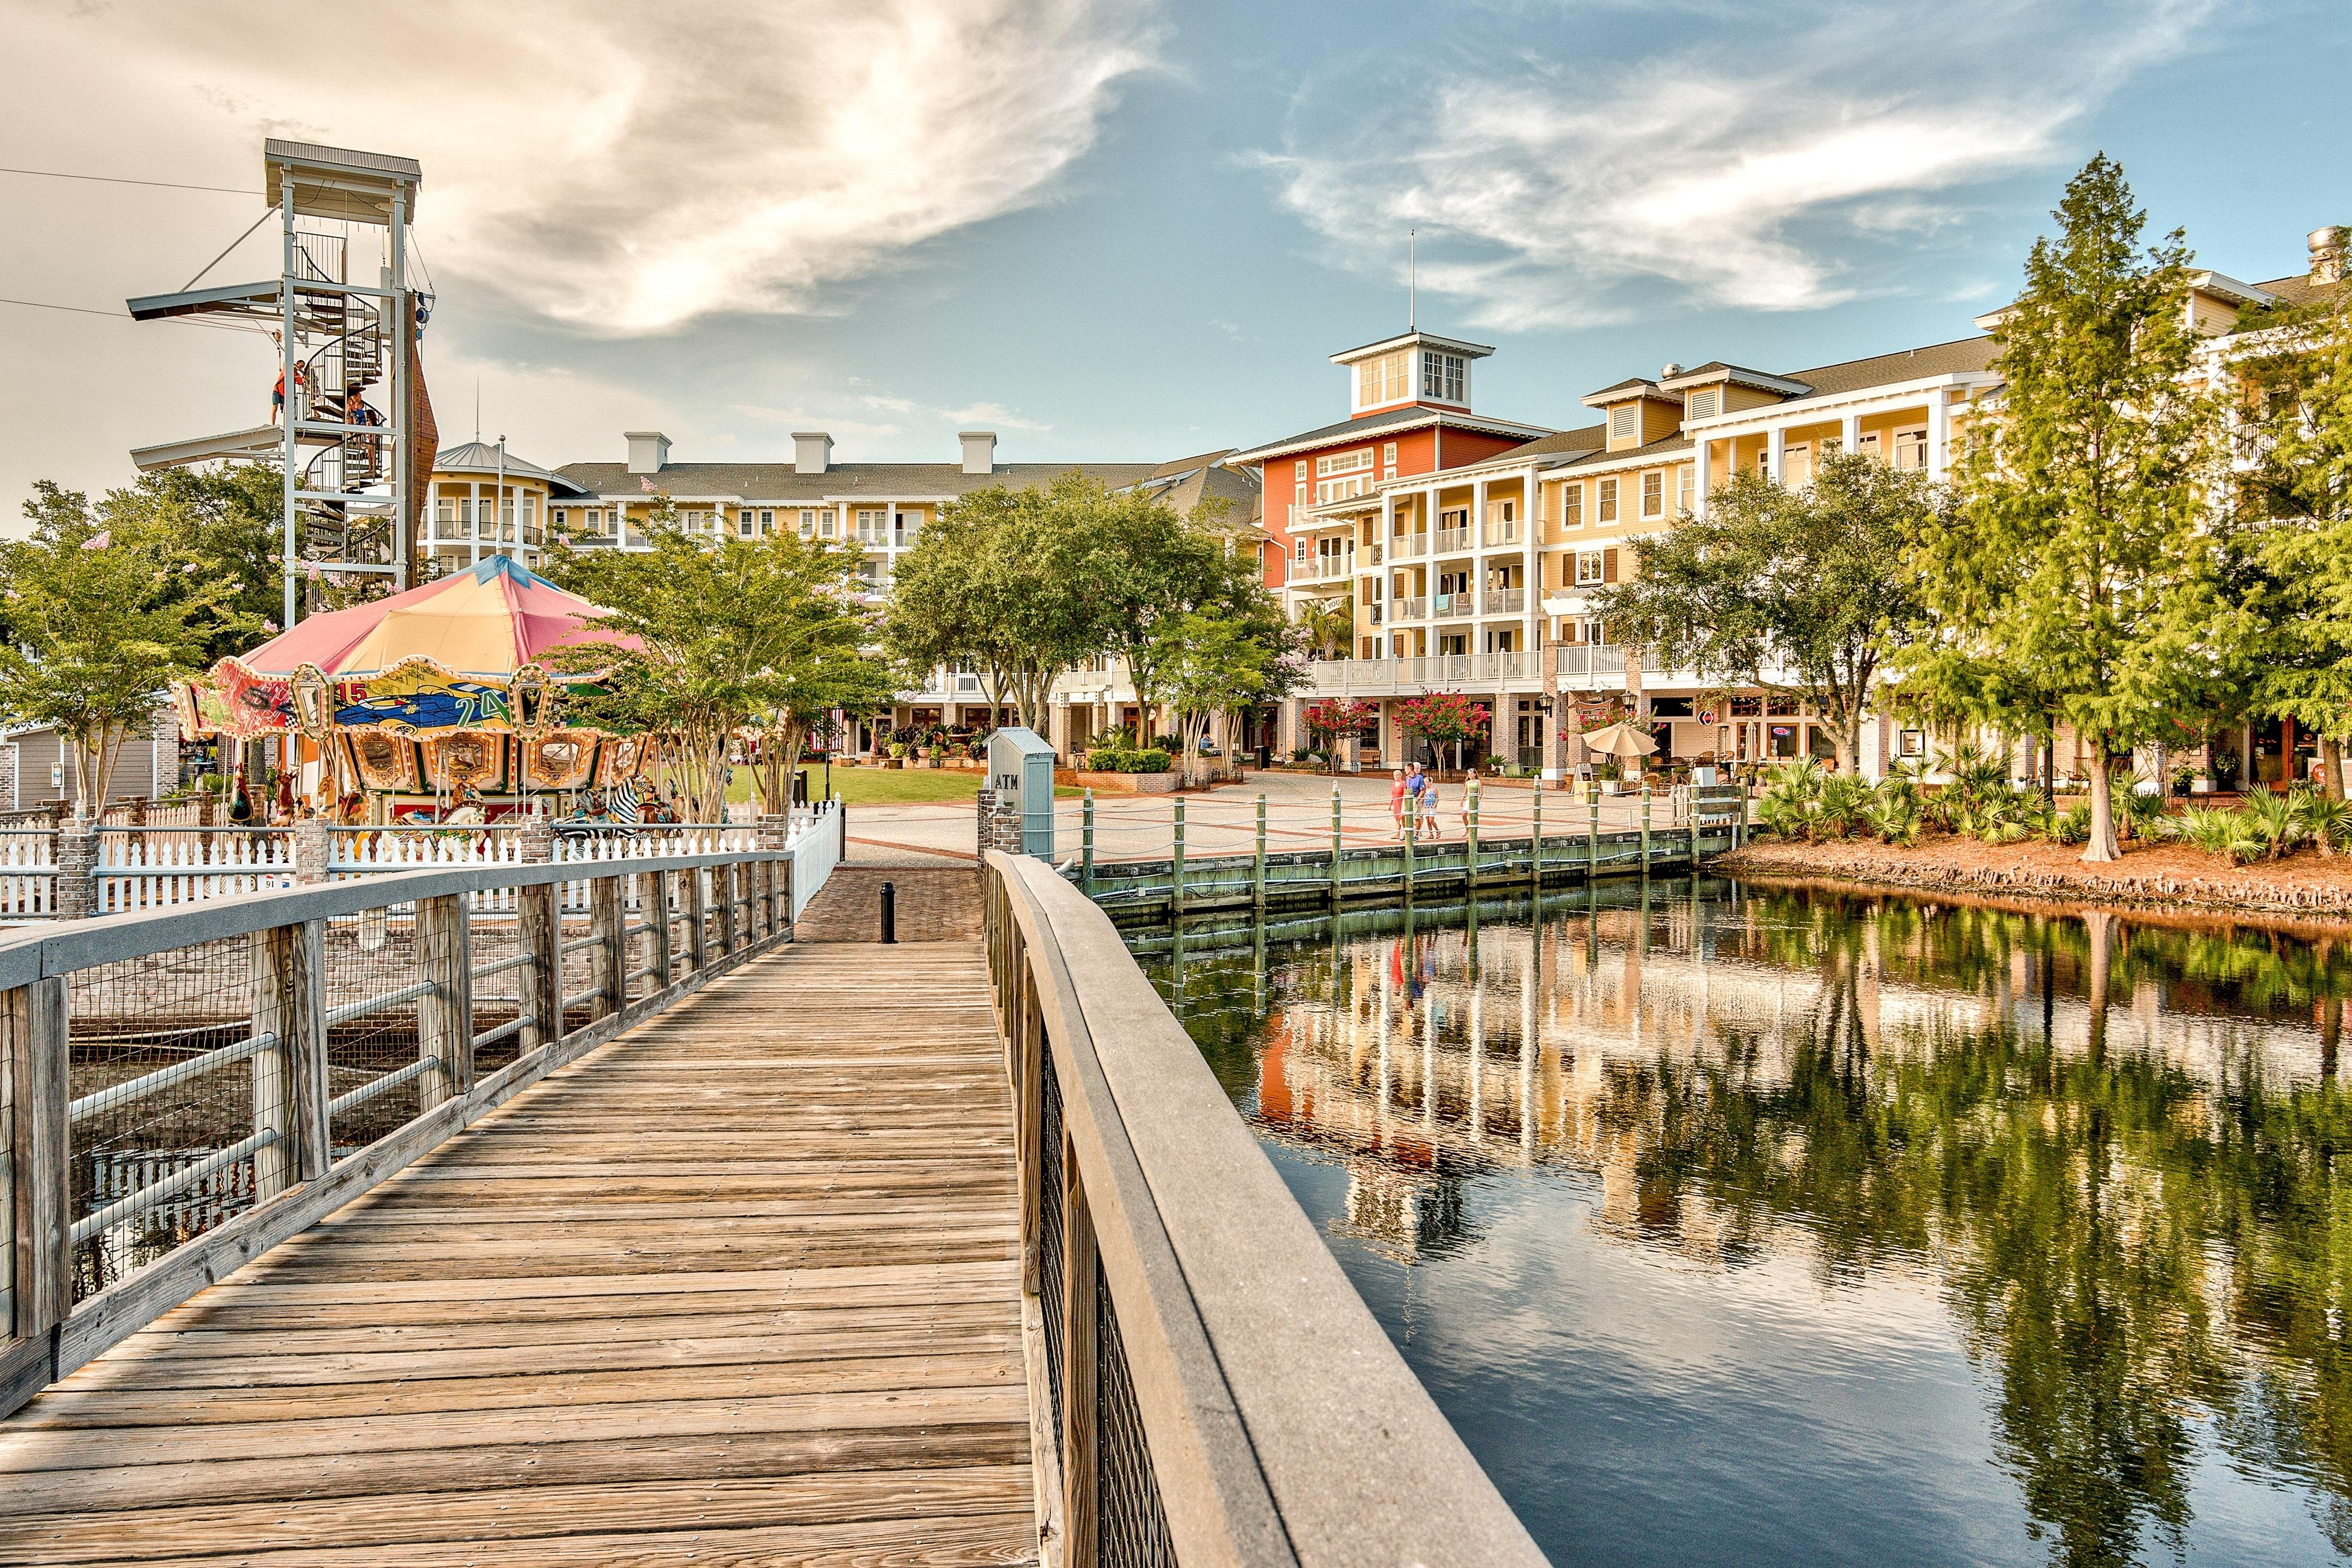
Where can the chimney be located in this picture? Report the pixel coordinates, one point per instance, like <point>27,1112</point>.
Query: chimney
<point>811,451</point>
<point>978,450</point>
<point>648,450</point>
<point>2327,255</point>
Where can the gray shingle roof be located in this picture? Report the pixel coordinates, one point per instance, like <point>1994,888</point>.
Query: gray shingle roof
<point>781,483</point>
<point>1964,354</point>
<point>1665,447</point>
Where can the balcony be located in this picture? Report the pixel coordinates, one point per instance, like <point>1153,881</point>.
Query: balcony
<point>1449,604</point>
<point>1453,540</point>
<point>1413,609</point>
<point>1412,546</point>
<point>1589,661</point>
<point>1372,613</point>
<point>1505,601</point>
<point>1503,532</point>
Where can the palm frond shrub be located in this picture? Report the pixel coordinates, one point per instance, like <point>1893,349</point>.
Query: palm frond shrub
<point>2218,830</point>
<point>1894,814</point>
<point>2273,821</point>
<point>2326,823</point>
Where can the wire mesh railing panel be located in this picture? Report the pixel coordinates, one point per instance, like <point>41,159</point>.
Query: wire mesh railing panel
<point>374,978</point>
<point>1052,1203</point>
<point>501,989</point>
<point>162,1118</point>
<point>1130,1523</point>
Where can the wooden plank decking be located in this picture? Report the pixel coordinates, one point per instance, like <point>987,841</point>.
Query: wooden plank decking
<point>739,1288</point>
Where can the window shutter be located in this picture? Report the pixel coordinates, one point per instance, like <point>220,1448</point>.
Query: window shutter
<point>1609,566</point>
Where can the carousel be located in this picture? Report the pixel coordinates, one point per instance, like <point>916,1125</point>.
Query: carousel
<point>428,703</point>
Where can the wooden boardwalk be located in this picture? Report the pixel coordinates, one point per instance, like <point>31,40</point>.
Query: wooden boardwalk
<point>738,1287</point>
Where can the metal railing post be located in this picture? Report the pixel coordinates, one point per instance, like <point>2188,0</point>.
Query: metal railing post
<point>1257,864</point>
<point>35,1158</point>
<point>445,1016</point>
<point>609,959</point>
<point>1086,845</point>
<point>539,932</point>
<point>1176,893</point>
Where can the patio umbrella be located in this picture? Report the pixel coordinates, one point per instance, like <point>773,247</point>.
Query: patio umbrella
<point>1619,740</point>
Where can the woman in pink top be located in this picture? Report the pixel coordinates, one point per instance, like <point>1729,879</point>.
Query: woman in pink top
<point>1396,801</point>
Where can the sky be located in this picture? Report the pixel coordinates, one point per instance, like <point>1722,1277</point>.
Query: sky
<point>1106,229</point>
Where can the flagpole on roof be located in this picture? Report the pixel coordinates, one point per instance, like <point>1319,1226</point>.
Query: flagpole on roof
<point>1412,280</point>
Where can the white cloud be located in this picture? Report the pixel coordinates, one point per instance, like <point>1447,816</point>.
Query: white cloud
<point>627,169</point>
<point>1552,189</point>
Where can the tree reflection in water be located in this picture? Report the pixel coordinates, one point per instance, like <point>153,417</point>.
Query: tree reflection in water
<point>2111,1142</point>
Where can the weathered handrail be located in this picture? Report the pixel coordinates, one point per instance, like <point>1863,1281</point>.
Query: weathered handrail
<point>254,995</point>
<point>1210,1388</point>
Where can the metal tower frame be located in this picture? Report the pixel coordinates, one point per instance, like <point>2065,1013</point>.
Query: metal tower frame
<point>348,502</point>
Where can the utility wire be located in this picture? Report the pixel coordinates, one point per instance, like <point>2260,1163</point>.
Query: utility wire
<point>112,180</point>
<point>233,244</point>
<point>77,310</point>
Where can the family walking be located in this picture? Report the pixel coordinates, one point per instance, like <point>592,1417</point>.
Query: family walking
<point>1413,802</point>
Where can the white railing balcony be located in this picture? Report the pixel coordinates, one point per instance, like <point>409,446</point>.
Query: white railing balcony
<point>1445,604</point>
<point>1588,661</point>
<point>1413,609</point>
<point>1503,530</point>
<point>1372,613</point>
<point>1505,601</point>
<point>1453,540</point>
<point>1410,546</point>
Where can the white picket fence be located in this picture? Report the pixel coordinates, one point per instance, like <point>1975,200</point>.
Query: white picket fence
<point>157,868</point>
<point>154,867</point>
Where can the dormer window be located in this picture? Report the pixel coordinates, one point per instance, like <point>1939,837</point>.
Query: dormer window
<point>1625,422</point>
<point>1387,379</point>
<point>1444,378</point>
<point>1704,404</point>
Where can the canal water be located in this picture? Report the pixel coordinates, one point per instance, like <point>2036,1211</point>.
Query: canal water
<point>1735,1225</point>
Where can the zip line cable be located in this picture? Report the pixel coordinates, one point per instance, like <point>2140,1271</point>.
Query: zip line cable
<point>115,180</point>
<point>266,215</point>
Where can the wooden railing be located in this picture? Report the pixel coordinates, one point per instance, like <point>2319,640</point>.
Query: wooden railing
<point>182,1090</point>
<point>1207,1388</point>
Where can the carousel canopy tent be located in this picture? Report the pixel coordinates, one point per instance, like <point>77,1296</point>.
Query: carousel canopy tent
<point>487,620</point>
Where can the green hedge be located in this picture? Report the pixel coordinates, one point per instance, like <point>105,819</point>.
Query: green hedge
<point>1112,759</point>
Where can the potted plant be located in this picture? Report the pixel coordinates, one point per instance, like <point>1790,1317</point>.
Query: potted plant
<point>898,753</point>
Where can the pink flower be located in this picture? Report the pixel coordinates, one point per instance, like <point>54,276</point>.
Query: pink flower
<point>269,626</point>
<point>99,540</point>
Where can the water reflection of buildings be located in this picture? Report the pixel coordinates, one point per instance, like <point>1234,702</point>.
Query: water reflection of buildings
<point>1419,1060</point>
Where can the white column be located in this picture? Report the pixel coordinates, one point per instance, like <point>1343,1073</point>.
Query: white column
<point>1478,564</point>
<point>1850,434</point>
<point>1700,476</point>
<point>474,512</point>
<point>1530,565</point>
<point>1940,431</point>
<point>1776,451</point>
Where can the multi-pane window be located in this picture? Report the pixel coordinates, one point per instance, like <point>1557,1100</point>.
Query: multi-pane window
<point>743,524</point>
<point>1590,566</point>
<point>1685,487</point>
<point>1444,378</point>
<point>1572,506</point>
<point>1654,494</point>
<point>1911,450</point>
<point>1388,459</point>
<point>1608,500</point>
<point>1385,379</point>
<point>873,527</point>
<point>767,521</point>
<point>1342,476</point>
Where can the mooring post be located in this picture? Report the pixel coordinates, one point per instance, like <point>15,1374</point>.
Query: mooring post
<point>1412,828</point>
<point>1592,837</point>
<point>1334,849</point>
<point>1470,834</point>
<point>1177,892</point>
<point>1257,866</point>
<point>1645,828</point>
<point>1535,842</point>
<point>1086,845</point>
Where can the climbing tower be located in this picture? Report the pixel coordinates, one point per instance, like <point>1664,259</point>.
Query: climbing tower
<point>352,437</point>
